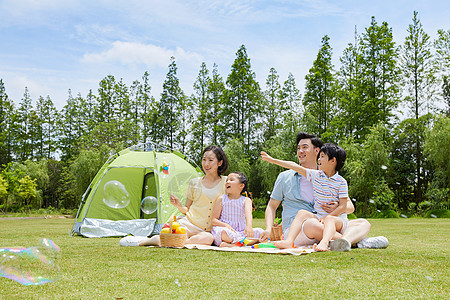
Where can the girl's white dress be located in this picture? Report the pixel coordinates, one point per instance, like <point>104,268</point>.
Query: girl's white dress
<point>233,213</point>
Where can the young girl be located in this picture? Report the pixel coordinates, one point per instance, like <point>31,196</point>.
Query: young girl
<point>232,216</point>
<point>197,209</point>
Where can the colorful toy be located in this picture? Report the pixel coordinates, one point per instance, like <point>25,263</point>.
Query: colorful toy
<point>264,245</point>
<point>246,242</point>
<point>164,168</point>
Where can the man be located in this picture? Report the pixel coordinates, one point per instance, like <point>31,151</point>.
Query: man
<point>296,194</point>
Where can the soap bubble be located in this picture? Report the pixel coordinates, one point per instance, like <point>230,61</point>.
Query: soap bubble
<point>115,195</point>
<point>149,205</point>
<point>31,266</point>
<point>186,185</point>
<point>165,166</point>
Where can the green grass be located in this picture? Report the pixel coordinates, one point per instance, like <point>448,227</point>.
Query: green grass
<point>415,265</point>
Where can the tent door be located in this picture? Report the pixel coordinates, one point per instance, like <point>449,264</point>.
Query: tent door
<point>149,189</point>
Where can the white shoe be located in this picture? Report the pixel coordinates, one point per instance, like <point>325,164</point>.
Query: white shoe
<point>340,245</point>
<point>131,241</point>
<point>378,242</point>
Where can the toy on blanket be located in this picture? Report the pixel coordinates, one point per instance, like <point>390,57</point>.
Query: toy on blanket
<point>246,242</point>
<point>264,245</point>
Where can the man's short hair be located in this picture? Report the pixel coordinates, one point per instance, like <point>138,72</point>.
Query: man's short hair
<point>334,151</point>
<point>314,139</point>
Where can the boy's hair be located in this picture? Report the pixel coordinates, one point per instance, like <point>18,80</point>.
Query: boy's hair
<point>314,139</point>
<point>334,151</point>
<point>242,179</point>
<point>221,156</point>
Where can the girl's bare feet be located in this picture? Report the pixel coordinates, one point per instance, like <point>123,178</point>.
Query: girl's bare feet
<point>283,244</point>
<point>321,247</point>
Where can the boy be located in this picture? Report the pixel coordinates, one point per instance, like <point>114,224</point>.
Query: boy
<point>328,187</point>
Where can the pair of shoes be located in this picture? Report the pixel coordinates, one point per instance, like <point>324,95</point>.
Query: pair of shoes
<point>340,245</point>
<point>131,241</point>
<point>378,242</point>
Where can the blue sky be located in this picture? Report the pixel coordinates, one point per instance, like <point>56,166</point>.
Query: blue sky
<point>51,46</point>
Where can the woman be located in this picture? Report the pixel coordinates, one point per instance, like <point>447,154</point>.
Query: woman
<point>197,210</point>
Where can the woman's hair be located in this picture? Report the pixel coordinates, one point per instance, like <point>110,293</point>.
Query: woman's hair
<point>220,155</point>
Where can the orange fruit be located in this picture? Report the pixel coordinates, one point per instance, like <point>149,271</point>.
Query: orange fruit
<point>180,230</point>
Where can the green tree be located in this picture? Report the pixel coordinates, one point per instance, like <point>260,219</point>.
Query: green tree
<point>69,124</point>
<point>290,106</point>
<point>238,161</point>
<point>419,84</point>
<point>350,118</point>
<point>84,168</point>
<point>170,105</point>
<point>319,100</point>
<point>272,101</point>
<point>27,189</point>
<point>4,193</point>
<point>24,149</point>
<point>442,46</point>
<point>45,127</point>
<point>38,172</point>
<point>218,94</point>
<point>145,109</point>
<point>6,126</point>
<point>244,100</point>
<point>437,150</point>
<point>380,74</point>
<point>201,105</point>
<point>365,171</point>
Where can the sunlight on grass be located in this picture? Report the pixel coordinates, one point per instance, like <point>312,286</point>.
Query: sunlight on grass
<point>415,265</point>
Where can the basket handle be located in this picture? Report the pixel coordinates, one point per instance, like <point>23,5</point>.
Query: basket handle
<point>172,219</point>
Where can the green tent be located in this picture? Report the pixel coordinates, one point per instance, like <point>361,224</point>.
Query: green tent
<point>134,173</point>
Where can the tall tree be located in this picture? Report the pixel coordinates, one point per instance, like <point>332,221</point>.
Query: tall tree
<point>442,46</point>
<point>218,93</point>
<point>419,84</point>
<point>144,107</point>
<point>45,127</point>
<point>201,105</point>
<point>272,104</point>
<point>244,99</point>
<point>290,106</point>
<point>70,122</point>
<point>380,74</point>
<point>6,126</point>
<point>319,100</point>
<point>24,148</point>
<point>350,119</point>
<point>170,104</point>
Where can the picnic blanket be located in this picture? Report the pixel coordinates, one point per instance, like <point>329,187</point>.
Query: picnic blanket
<point>292,251</point>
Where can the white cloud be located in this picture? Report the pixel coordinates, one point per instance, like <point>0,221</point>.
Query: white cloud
<point>132,54</point>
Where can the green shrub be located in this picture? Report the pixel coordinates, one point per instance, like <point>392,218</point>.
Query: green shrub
<point>352,216</point>
<point>438,213</point>
<point>258,214</point>
<point>385,214</point>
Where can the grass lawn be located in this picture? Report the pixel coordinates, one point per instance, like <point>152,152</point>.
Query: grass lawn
<point>415,265</point>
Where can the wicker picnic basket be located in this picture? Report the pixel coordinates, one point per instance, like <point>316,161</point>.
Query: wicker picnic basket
<point>276,232</point>
<point>172,239</point>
